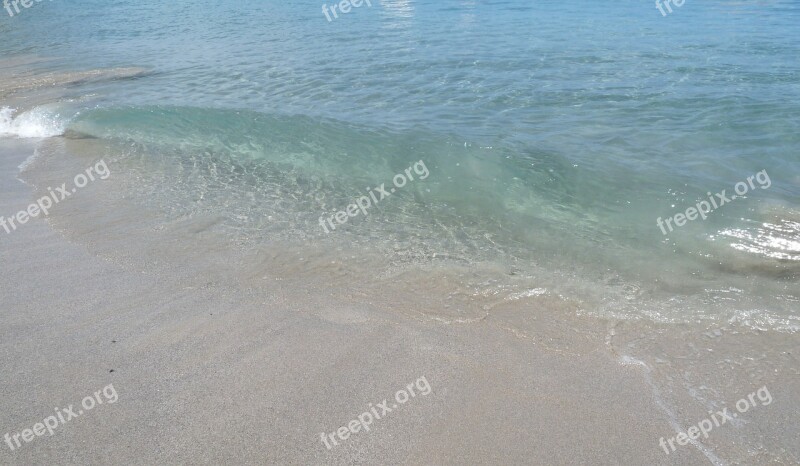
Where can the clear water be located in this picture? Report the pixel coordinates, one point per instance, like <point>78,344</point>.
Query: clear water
<point>556,133</point>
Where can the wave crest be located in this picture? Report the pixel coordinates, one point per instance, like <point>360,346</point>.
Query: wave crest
<point>40,122</point>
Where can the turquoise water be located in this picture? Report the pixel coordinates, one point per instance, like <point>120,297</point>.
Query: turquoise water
<point>556,133</point>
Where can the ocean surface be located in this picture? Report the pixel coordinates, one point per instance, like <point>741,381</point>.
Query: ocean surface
<point>555,135</point>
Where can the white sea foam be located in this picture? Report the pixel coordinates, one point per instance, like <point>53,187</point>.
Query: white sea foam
<point>40,122</point>
<point>526,294</point>
<point>29,161</point>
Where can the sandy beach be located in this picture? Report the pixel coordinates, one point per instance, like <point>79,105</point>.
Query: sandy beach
<point>221,371</point>
<point>411,233</point>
